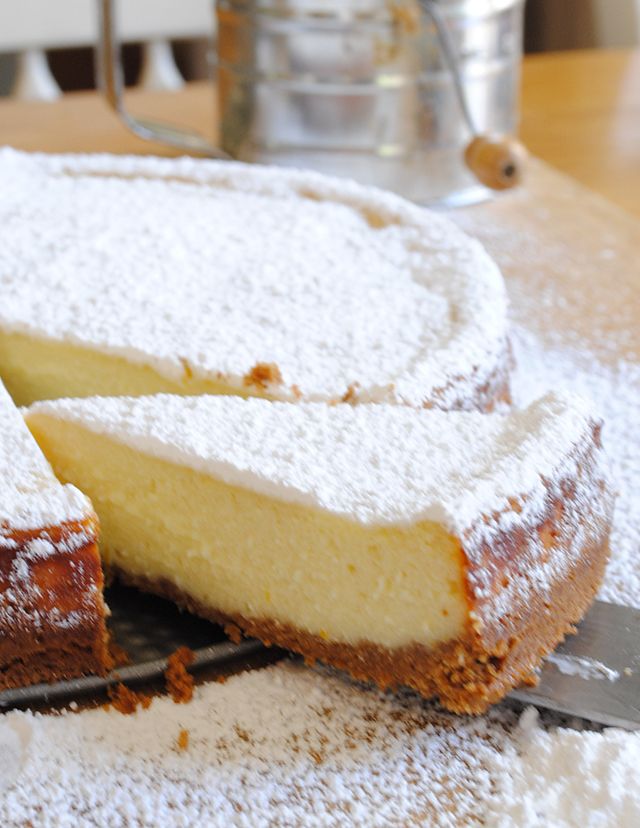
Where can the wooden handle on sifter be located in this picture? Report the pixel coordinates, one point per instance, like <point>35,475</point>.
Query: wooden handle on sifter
<point>496,161</point>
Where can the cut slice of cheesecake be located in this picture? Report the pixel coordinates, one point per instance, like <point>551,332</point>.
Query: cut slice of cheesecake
<point>52,615</point>
<point>444,551</point>
<point>131,276</point>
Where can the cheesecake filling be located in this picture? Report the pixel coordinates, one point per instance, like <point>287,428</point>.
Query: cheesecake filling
<point>244,553</point>
<point>31,368</point>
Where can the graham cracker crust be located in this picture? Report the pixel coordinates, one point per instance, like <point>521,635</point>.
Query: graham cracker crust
<point>52,627</point>
<point>58,658</point>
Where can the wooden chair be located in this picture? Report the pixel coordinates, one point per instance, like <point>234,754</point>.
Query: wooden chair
<point>30,27</point>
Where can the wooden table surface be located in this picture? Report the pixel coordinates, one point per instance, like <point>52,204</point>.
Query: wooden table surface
<point>580,113</point>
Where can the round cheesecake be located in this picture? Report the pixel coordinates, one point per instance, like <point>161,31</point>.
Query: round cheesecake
<point>439,549</point>
<point>136,276</point>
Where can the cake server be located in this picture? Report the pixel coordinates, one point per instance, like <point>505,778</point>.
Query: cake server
<point>594,674</point>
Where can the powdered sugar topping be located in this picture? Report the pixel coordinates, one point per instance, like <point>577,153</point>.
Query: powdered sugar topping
<point>340,286</point>
<point>376,464</point>
<point>30,495</point>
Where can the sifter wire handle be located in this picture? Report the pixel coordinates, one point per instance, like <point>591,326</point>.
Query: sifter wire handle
<point>109,71</point>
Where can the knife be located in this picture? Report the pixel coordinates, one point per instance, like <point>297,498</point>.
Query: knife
<point>594,674</point>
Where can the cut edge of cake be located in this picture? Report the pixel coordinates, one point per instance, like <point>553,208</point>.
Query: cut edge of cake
<point>52,612</point>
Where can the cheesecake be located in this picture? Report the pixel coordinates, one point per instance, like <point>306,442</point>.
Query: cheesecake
<point>52,615</point>
<point>135,276</point>
<point>443,551</point>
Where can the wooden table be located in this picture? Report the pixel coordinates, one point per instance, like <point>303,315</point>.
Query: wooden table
<point>580,113</point>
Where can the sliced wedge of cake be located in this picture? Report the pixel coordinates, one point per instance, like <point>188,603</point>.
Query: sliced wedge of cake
<point>134,276</point>
<point>52,616</point>
<point>447,551</point>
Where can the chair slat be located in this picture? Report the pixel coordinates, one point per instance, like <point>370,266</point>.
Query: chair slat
<point>159,70</point>
<point>617,22</point>
<point>34,81</point>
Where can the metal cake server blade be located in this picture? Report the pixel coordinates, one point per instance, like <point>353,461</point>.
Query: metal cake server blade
<point>594,674</point>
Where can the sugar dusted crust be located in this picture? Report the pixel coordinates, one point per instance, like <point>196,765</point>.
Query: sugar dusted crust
<point>262,375</point>
<point>512,624</point>
<point>478,395</point>
<point>52,614</point>
<point>475,392</point>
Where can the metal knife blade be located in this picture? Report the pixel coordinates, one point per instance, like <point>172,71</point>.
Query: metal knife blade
<point>594,674</point>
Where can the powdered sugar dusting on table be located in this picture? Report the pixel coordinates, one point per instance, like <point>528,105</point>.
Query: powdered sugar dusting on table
<point>294,747</point>
<point>284,746</point>
<point>568,778</point>
<point>344,288</point>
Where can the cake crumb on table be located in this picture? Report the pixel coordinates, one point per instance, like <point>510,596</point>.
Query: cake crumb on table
<point>182,742</point>
<point>125,700</point>
<point>179,680</point>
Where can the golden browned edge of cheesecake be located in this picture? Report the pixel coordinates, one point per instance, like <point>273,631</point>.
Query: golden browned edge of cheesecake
<point>494,654</point>
<point>70,580</point>
<point>483,397</point>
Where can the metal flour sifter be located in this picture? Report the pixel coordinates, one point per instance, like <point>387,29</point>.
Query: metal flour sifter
<point>418,96</point>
